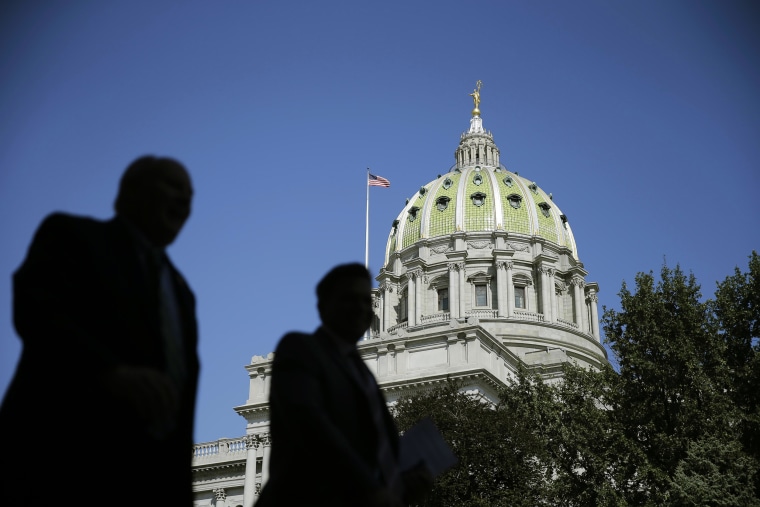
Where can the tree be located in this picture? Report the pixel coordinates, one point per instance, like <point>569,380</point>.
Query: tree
<point>501,454</point>
<point>671,392</point>
<point>596,464</point>
<point>716,473</point>
<point>737,309</point>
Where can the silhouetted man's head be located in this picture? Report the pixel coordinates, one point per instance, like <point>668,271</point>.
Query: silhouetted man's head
<point>344,300</point>
<point>155,194</point>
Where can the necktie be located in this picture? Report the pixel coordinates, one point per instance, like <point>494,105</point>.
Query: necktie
<point>386,459</point>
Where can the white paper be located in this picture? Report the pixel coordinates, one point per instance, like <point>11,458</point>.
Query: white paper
<point>424,442</point>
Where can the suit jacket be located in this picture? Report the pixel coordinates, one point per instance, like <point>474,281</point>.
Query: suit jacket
<point>82,306</point>
<point>324,440</point>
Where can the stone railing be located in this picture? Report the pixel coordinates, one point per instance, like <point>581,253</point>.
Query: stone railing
<point>393,329</point>
<point>567,323</point>
<point>483,314</point>
<point>523,315</point>
<point>436,317</point>
<point>223,449</point>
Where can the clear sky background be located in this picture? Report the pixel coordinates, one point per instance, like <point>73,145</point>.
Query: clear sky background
<point>641,117</point>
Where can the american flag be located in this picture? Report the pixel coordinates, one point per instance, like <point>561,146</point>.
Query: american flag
<point>378,181</point>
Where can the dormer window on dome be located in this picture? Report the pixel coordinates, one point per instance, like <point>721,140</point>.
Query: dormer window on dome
<point>423,190</point>
<point>514,200</point>
<point>447,183</point>
<point>413,213</point>
<point>533,187</point>
<point>477,179</point>
<point>442,203</point>
<point>508,181</point>
<point>478,198</point>
<point>545,207</point>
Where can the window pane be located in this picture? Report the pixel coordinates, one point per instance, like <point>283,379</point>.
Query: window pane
<point>481,297</point>
<point>519,297</point>
<point>443,300</point>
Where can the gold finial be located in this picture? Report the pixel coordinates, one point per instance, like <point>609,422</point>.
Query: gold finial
<point>476,98</point>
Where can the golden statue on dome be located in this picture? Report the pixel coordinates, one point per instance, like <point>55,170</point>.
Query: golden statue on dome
<point>476,98</point>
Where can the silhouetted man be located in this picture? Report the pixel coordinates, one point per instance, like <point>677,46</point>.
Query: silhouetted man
<point>101,407</point>
<point>334,442</point>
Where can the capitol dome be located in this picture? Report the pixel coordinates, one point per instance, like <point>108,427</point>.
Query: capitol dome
<point>479,194</point>
<point>485,249</point>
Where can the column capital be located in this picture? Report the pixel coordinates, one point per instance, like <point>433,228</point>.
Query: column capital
<point>578,280</point>
<point>251,442</point>
<point>220,494</point>
<point>414,273</point>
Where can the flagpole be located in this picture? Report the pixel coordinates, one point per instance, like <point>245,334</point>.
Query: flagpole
<point>366,228</point>
<point>366,241</point>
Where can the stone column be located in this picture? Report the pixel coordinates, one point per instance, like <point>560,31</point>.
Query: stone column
<point>453,291</point>
<point>220,496</point>
<point>553,295</point>
<point>510,294</point>
<point>578,284</point>
<point>419,298</point>
<point>411,303</point>
<point>501,292</point>
<point>266,442</point>
<point>593,301</point>
<point>385,291</point>
<point>545,303</point>
<point>462,292</point>
<point>249,485</point>
<point>267,379</point>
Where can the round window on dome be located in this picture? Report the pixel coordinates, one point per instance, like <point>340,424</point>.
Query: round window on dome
<point>514,200</point>
<point>478,198</point>
<point>442,203</point>
<point>478,179</point>
<point>508,181</point>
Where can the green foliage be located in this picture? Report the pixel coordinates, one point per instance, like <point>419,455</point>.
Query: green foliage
<point>595,461</point>
<point>672,372</point>
<point>715,473</point>
<point>737,309</point>
<point>496,452</point>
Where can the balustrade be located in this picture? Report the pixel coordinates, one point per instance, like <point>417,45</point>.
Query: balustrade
<point>220,449</point>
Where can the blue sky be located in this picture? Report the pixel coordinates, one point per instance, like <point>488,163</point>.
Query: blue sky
<point>641,117</point>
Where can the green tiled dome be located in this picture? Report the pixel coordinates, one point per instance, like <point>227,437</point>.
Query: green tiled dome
<point>479,195</point>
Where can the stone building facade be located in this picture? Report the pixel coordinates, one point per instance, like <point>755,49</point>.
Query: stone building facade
<point>481,274</point>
